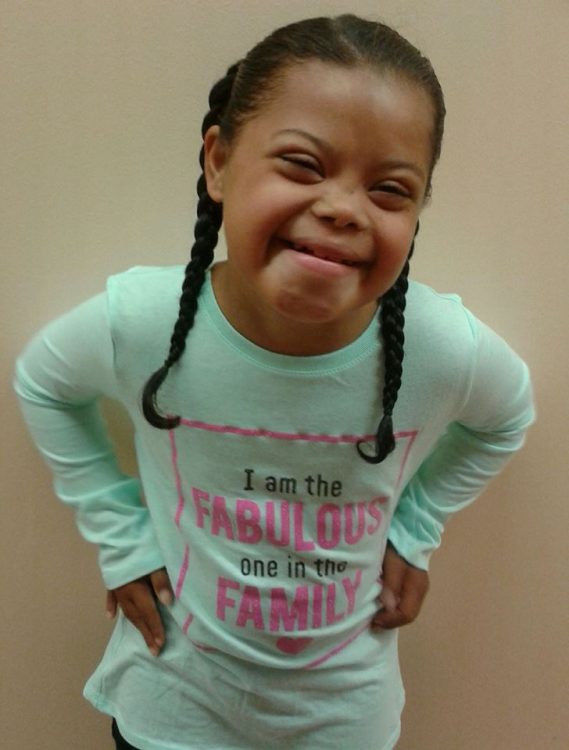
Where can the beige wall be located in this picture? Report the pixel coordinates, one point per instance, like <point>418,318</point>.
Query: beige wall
<point>102,102</point>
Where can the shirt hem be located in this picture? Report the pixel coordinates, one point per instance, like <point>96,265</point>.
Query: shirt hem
<point>104,706</point>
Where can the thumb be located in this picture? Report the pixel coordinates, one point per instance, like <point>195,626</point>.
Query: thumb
<point>392,577</point>
<point>162,587</point>
<point>393,574</point>
<point>388,599</point>
<point>111,605</point>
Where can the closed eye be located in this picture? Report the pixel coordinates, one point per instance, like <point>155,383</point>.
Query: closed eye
<point>392,189</point>
<point>302,161</point>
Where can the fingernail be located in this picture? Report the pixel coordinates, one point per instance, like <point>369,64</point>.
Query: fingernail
<point>165,597</point>
<point>388,599</point>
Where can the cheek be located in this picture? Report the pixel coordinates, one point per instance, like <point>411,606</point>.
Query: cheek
<point>393,245</point>
<point>396,238</point>
<point>267,213</point>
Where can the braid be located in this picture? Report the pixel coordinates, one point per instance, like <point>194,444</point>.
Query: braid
<point>392,321</point>
<point>206,232</point>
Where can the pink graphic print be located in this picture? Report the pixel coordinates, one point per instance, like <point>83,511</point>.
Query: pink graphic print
<point>293,645</point>
<point>183,571</point>
<point>285,644</point>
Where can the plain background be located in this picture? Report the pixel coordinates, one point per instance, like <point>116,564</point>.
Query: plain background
<point>101,107</point>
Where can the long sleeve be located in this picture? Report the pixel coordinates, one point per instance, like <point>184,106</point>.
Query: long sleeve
<point>488,429</point>
<point>60,378</point>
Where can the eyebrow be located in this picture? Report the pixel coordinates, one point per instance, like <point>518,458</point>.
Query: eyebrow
<point>395,164</point>
<point>304,134</point>
<point>325,146</point>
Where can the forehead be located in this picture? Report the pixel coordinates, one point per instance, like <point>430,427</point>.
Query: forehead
<point>356,105</point>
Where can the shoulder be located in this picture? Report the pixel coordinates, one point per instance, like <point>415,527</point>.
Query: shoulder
<point>142,305</point>
<point>446,344</point>
<point>423,300</point>
<point>441,320</point>
<point>144,295</point>
<point>146,283</point>
<point>444,323</point>
<point>440,344</point>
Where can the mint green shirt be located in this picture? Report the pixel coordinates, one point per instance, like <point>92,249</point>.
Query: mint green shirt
<point>271,527</point>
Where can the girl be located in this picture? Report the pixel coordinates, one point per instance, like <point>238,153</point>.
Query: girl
<point>294,483</point>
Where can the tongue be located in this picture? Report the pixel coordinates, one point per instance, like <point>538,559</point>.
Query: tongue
<point>306,251</point>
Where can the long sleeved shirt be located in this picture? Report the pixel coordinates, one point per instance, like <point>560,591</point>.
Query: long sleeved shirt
<point>271,527</point>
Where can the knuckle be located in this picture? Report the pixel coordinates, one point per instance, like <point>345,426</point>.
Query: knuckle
<point>153,629</point>
<point>132,615</point>
<point>133,620</point>
<point>159,581</point>
<point>407,616</point>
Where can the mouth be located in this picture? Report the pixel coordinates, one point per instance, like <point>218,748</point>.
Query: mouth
<point>325,252</point>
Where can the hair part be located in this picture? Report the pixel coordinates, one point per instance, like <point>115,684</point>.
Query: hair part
<point>348,41</point>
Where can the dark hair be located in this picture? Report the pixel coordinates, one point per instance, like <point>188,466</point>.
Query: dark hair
<point>348,41</point>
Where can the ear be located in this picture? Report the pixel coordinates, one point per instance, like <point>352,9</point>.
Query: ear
<point>215,160</point>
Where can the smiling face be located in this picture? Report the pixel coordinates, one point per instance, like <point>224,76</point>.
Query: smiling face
<point>321,191</point>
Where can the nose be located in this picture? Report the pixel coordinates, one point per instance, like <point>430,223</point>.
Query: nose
<point>342,208</point>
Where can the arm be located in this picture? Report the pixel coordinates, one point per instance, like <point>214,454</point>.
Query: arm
<point>59,380</point>
<point>489,428</point>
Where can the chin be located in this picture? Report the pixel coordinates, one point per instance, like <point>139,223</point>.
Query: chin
<point>302,310</point>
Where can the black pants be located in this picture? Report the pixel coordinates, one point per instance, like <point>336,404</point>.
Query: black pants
<point>120,741</point>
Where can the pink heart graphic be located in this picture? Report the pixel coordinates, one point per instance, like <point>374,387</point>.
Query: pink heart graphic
<point>293,645</point>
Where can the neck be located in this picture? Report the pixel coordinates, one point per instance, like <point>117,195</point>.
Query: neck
<point>282,334</point>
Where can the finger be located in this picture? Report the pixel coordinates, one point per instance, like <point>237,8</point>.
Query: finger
<point>150,617</point>
<point>392,576</point>
<point>137,601</point>
<point>388,619</point>
<point>393,571</point>
<point>388,600</point>
<point>162,587</point>
<point>140,623</point>
<point>413,592</point>
<point>111,605</point>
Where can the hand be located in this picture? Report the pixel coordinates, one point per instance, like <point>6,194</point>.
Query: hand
<point>137,600</point>
<point>404,588</point>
